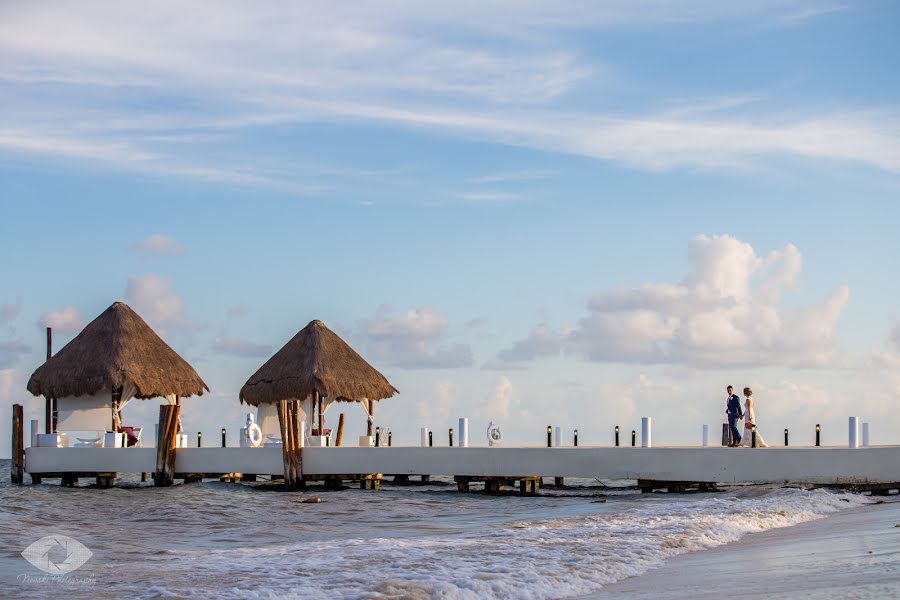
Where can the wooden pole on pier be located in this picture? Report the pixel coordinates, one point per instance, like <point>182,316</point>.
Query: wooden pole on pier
<point>49,425</point>
<point>164,475</point>
<point>17,468</point>
<point>291,443</point>
<point>340,431</point>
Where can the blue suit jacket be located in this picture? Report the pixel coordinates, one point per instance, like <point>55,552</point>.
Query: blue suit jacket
<point>734,405</point>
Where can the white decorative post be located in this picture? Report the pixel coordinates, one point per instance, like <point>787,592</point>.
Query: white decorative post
<point>705,435</point>
<point>464,433</point>
<point>34,432</point>
<point>302,434</point>
<point>424,437</point>
<point>645,433</point>
<point>557,437</point>
<point>854,432</point>
<point>865,435</point>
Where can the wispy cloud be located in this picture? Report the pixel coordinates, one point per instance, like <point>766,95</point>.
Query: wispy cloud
<point>500,73</point>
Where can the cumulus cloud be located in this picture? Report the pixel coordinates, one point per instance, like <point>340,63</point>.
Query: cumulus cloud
<point>152,297</point>
<point>413,340</point>
<point>236,346</point>
<point>160,245</point>
<point>888,357</point>
<point>498,404</point>
<point>67,321</point>
<point>725,312</point>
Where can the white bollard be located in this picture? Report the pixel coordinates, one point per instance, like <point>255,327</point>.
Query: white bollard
<point>854,432</point>
<point>34,432</point>
<point>302,434</point>
<point>645,433</point>
<point>557,437</point>
<point>705,435</point>
<point>865,435</point>
<point>424,437</point>
<point>463,433</point>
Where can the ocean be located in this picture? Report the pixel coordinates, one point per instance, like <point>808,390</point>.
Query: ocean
<point>220,540</point>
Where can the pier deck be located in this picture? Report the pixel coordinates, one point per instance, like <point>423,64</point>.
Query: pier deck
<point>806,465</point>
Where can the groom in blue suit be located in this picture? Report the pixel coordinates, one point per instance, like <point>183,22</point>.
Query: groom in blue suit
<point>734,413</point>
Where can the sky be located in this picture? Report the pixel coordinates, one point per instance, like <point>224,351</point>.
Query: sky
<point>531,213</point>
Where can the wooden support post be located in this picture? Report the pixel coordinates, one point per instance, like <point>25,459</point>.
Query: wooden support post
<point>105,480</point>
<point>48,401</point>
<point>370,482</point>
<point>726,435</point>
<point>559,481</point>
<point>340,431</point>
<point>17,468</point>
<point>69,480</point>
<point>462,483</point>
<point>164,475</point>
<point>426,478</point>
<point>143,477</point>
<point>291,444</point>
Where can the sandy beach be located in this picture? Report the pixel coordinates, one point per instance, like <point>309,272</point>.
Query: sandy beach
<point>853,554</point>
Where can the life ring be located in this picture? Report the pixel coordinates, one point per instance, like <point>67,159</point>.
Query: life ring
<point>254,434</point>
<point>494,435</point>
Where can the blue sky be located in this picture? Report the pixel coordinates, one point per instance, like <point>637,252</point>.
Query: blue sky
<point>532,213</point>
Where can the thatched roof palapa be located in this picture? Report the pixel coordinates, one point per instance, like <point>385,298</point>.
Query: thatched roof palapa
<point>316,359</point>
<point>116,347</point>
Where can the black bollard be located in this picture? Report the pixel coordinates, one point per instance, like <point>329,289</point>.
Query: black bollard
<point>199,439</point>
<point>818,435</point>
<point>451,436</point>
<point>576,438</point>
<point>390,438</point>
<point>753,437</point>
<point>549,436</point>
<point>617,436</point>
<point>430,439</point>
<point>223,437</point>
<point>377,436</point>
<point>633,437</point>
<point>785,436</point>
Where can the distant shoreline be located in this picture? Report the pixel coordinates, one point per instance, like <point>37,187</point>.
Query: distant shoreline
<point>855,553</point>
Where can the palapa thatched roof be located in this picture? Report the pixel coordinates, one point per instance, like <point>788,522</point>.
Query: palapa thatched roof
<point>115,347</point>
<point>316,359</point>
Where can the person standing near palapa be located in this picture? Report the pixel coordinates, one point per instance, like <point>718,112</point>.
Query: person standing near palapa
<point>734,412</point>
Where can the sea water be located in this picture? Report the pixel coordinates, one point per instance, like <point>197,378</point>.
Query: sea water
<point>251,541</point>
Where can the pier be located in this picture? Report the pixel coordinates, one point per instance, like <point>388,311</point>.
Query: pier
<point>875,468</point>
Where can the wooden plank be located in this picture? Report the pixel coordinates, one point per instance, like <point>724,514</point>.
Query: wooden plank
<point>17,467</point>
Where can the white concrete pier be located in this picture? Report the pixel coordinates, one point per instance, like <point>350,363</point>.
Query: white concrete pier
<point>810,465</point>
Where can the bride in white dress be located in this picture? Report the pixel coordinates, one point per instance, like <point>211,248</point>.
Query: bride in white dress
<point>750,422</point>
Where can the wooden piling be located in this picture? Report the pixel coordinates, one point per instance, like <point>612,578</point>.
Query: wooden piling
<point>164,475</point>
<point>291,444</point>
<point>17,468</point>
<point>340,431</point>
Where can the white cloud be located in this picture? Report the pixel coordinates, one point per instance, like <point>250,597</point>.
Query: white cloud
<point>435,411</point>
<point>236,346</point>
<point>152,297</point>
<point>499,403</point>
<point>159,244</point>
<point>726,312</point>
<point>888,357</point>
<point>499,73</point>
<point>412,340</point>
<point>67,321</point>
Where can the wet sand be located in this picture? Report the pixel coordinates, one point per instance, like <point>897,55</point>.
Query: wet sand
<point>854,554</point>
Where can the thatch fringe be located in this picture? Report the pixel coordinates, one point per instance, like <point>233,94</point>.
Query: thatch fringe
<point>316,359</point>
<point>115,347</point>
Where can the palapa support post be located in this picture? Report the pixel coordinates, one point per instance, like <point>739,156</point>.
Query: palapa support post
<point>291,443</point>
<point>48,401</point>
<point>17,467</point>
<point>164,475</point>
<point>340,431</point>
<point>726,435</point>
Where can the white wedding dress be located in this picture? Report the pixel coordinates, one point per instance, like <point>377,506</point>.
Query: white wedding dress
<point>747,434</point>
